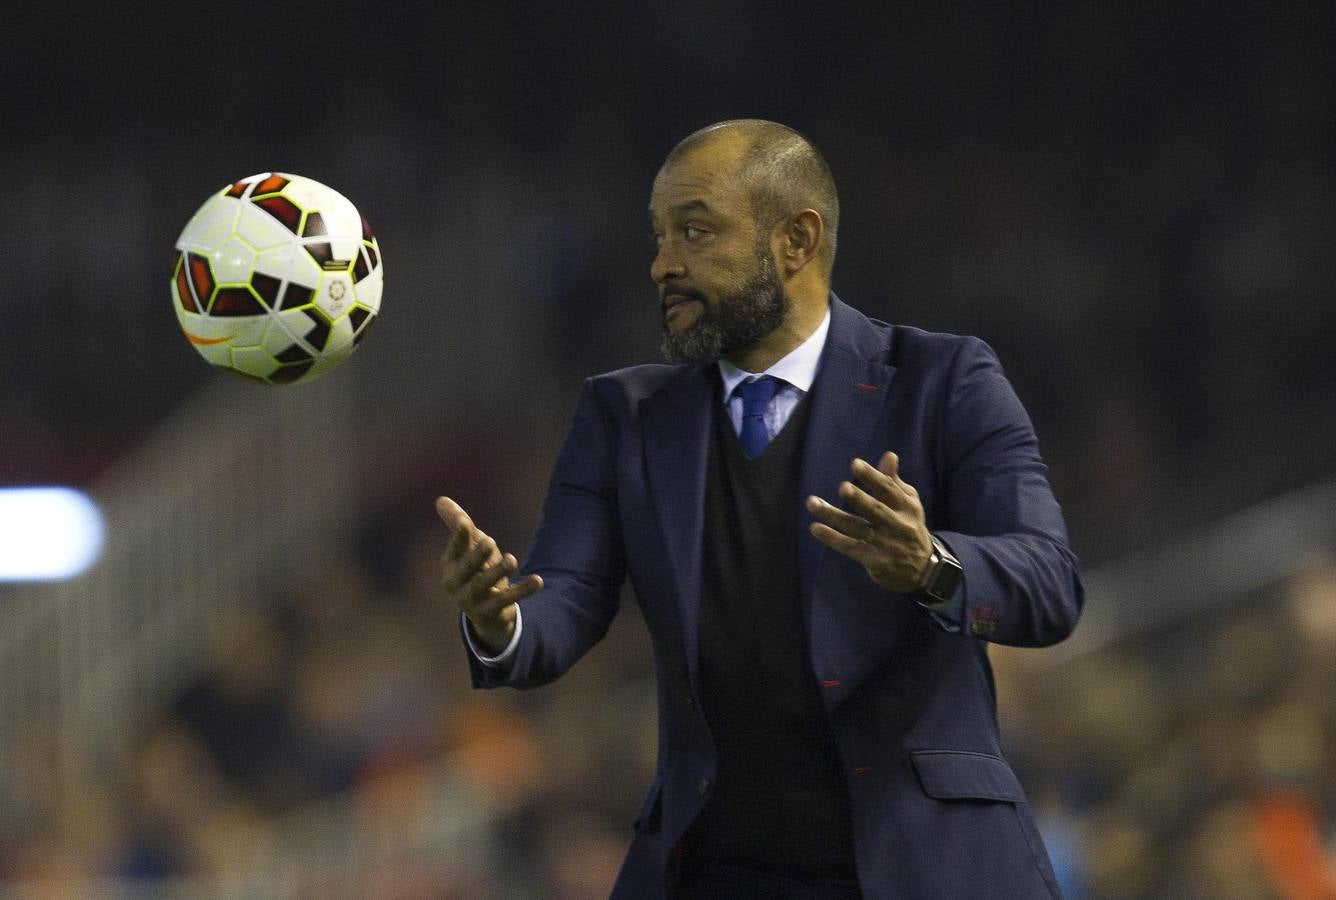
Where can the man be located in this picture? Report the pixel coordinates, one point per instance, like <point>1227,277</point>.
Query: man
<point>827,722</point>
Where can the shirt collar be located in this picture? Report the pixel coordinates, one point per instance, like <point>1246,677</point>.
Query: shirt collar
<point>798,367</point>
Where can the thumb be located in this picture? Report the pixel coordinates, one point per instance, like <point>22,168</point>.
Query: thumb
<point>451,513</point>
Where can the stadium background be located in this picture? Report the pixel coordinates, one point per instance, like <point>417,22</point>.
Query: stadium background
<point>257,692</point>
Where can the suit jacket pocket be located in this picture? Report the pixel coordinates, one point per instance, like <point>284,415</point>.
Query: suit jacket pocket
<point>966,775</point>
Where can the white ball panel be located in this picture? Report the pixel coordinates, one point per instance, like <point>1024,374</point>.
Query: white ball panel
<point>336,294</point>
<point>261,230</point>
<point>210,337</point>
<point>369,289</point>
<point>294,264</point>
<point>249,330</point>
<point>340,336</point>
<point>296,323</point>
<point>253,361</point>
<point>278,338</point>
<point>213,220</point>
<point>212,225</point>
<point>327,361</point>
<point>346,247</point>
<point>217,354</point>
<point>340,215</point>
<point>233,261</point>
<point>244,329</point>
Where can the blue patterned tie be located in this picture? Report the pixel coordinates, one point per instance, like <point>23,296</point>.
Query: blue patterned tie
<point>756,396</point>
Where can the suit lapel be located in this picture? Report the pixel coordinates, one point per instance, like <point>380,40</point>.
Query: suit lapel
<point>848,397</point>
<point>676,426</point>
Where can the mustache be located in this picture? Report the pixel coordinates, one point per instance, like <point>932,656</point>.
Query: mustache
<point>676,291</point>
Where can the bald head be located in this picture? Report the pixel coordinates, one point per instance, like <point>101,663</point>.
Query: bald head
<point>780,170</point>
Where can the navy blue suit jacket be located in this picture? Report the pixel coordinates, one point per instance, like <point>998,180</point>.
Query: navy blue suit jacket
<point>937,810</point>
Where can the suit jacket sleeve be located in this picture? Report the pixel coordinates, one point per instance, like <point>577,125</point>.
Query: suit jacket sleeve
<point>578,551</point>
<point>1021,583</point>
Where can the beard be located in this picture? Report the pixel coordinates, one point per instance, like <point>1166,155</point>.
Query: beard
<point>734,322</point>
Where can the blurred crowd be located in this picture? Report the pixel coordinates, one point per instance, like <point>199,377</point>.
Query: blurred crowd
<point>1189,762</point>
<point>343,701</point>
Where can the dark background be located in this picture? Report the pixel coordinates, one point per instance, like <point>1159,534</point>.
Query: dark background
<point>1133,203</point>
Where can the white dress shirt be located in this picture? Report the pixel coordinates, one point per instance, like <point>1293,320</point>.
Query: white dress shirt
<point>797,371</point>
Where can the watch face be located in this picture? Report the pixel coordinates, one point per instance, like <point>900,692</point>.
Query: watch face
<point>943,573</point>
<point>944,585</point>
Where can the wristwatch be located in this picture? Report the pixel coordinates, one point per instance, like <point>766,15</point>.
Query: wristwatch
<point>942,576</point>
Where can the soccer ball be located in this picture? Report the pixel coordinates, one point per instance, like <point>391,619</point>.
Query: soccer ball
<point>276,278</point>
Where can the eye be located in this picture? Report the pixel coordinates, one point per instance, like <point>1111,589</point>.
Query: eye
<point>693,232</point>
<point>656,237</point>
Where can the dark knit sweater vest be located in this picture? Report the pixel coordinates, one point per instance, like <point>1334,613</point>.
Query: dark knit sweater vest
<point>779,801</point>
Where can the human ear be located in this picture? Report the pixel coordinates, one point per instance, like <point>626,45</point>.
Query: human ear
<point>800,239</point>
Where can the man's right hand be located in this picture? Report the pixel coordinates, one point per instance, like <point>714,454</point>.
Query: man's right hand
<point>476,576</point>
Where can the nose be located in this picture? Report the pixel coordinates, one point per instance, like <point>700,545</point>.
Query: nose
<point>667,264</point>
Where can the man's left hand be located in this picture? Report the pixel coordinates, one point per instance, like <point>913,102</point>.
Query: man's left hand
<point>883,529</point>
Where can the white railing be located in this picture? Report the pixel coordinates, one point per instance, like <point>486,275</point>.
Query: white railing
<point>1215,565</point>
<point>200,518</point>
<point>205,515</point>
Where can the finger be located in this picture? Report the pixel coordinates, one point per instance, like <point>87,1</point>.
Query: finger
<point>484,579</point>
<point>839,520</point>
<point>870,508</point>
<point>483,553</point>
<point>890,524</point>
<point>451,513</point>
<point>842,543</point>
<point>458,545</point>
<point>885,524</point>
<point>462,568</point>
<point>878,483</point>
<point>493,554</point>
<point>889,465</point>
<point>497,600</point>
<point>890,488</point>
<point>465,534</point>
